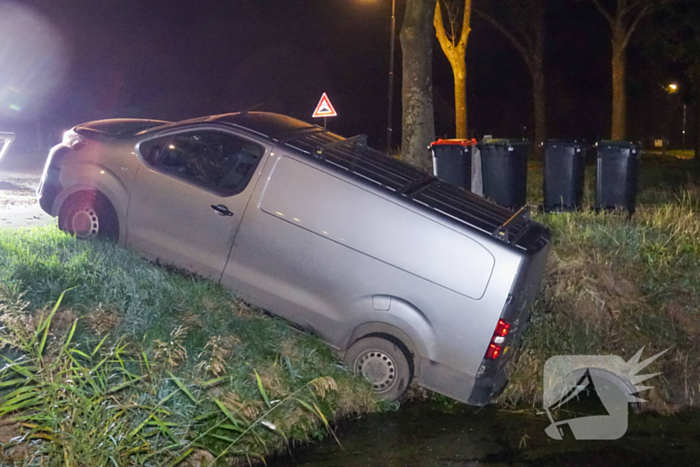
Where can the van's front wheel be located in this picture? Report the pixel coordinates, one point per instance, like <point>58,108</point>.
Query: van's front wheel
<point>384,361</point>
<point>87,214</point>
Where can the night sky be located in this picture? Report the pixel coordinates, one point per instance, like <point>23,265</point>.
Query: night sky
<point>175,59</point>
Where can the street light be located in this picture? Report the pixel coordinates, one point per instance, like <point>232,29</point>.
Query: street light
<point>392,41</point>
<point>389,128</point>
<point>685,120</point>
<point>672,88</point>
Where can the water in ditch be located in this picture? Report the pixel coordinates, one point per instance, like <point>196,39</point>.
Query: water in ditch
<point>428,434</point>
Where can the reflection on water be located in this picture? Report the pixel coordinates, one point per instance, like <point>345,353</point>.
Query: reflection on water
<point>422,434</point>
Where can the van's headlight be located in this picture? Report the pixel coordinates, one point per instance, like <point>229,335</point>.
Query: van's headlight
<point>6,140</point>
<point>73,140</point>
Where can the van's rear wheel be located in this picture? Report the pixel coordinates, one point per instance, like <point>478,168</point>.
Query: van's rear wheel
<point>384,361</point>
<point>88,214</point>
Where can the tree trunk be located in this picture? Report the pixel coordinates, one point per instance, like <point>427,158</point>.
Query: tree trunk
<point>540,107</point>
<point>525,29</point>
<point>619,84</point>
<point>697,130</point>
<point>455,49</point>
<point>459,70</point>
<point>417,88</point>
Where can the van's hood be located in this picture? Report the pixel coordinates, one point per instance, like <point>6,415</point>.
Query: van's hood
<point>103,130</point>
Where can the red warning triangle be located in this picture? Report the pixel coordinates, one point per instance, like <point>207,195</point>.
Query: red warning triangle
<point>324,108</point>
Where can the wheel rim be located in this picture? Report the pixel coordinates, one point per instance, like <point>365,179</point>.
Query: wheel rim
<point>378,368</point>
<point>84,222</point>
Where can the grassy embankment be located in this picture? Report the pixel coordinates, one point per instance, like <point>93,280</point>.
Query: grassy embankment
<point>614,285</point>
<point>186,370</point>
<point>142,366</point>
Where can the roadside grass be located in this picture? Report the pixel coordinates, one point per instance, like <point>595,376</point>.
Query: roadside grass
<point>614,285</point>
<point>679,153</point>
<point>137,365</point>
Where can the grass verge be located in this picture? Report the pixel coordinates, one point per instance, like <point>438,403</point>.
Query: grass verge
<point>136,365</point>
<point>614,285</point>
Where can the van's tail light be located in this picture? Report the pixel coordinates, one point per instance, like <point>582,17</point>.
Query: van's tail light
<point>499,337</point>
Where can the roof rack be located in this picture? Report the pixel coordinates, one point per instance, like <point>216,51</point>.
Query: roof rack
<point>359,140</point>
<point>406,181</point>
<point>503,231</point>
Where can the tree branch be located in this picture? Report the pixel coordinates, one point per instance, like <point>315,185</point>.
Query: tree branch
<point>510,36</point>
<point>648,4</point>
<point>631,6</point>
<point>526,39</point>
<point>603,11</point>
<point>635,23</point>
<point>450,19</point>
<point>638,3</point>
<point>466,21</point>
<point>445,42</point>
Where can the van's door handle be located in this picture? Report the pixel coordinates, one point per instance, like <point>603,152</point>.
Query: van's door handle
<point>221,210</point>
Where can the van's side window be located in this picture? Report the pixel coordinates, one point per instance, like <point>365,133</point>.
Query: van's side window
<point>209,158</point>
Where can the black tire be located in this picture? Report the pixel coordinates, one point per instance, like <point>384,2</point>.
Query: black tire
<point>384,361</point>
<point>89,214</point>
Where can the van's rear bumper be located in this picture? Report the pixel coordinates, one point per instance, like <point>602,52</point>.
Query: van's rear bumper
<point>479,390</point>
<point>488,388</point>
<point>491,379</point>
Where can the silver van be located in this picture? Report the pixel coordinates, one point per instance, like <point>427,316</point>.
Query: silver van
<point>406,276</point>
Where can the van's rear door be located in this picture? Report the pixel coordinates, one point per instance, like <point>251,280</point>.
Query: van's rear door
<point>491,378</point>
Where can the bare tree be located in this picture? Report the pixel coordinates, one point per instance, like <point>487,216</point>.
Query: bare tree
<point>677,44</point>
<point>454,45</point>
<point>417,88</point>
<point>624,17</point>
<point>522,23</point>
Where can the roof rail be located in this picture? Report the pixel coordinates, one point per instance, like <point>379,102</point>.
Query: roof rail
<point>400,179</point>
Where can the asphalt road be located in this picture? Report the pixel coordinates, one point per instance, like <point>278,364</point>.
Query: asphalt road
<point>18,204</point>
